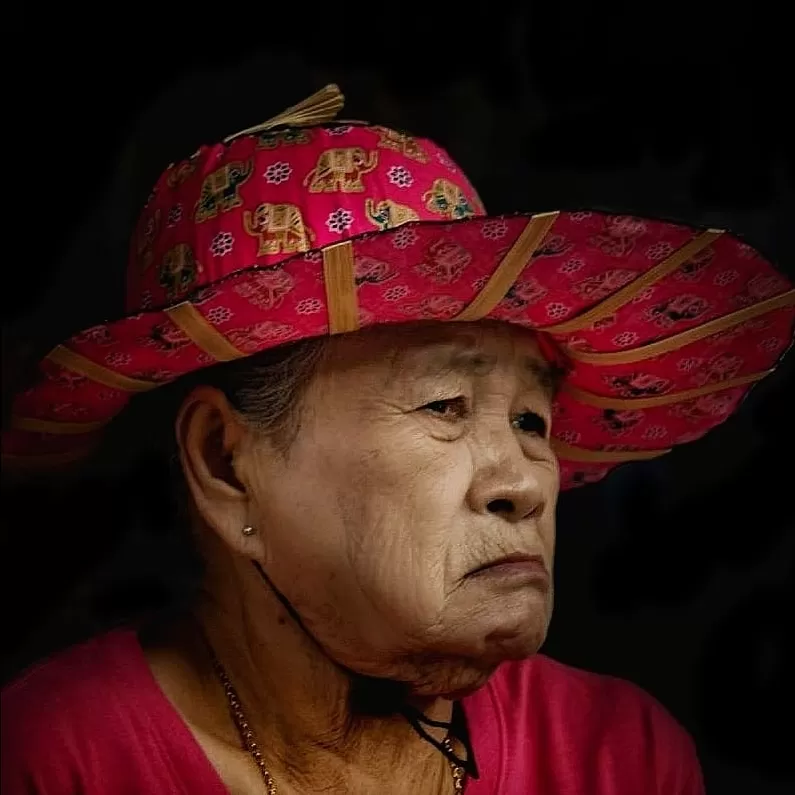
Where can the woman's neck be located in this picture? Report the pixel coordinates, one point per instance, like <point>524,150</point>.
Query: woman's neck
<point>295,699</point>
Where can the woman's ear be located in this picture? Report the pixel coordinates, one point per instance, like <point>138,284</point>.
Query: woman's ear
<point>212,438</point>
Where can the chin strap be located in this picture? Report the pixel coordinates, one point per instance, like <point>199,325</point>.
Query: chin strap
<point>456,728</point>
<point>283,599</point>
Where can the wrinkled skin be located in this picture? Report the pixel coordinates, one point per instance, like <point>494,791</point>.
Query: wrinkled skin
<point>422,455</point>
<point>405,476</point>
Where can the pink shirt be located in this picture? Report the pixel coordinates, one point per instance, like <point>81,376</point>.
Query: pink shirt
<point>93,720</point>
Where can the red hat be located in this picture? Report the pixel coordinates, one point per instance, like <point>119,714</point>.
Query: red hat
<point>304,227</point>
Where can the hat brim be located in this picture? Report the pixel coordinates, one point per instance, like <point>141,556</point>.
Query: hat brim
<point>666,327</point>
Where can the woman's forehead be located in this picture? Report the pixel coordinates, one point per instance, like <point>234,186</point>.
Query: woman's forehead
<point>412,338</point>
<point>421,350</point>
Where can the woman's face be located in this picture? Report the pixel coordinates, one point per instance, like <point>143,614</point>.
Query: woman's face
<point>423,455</point>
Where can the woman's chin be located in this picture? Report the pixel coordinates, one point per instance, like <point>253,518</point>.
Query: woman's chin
<point>453,684</point>
<point>459,675</point>
<point>509,636</point>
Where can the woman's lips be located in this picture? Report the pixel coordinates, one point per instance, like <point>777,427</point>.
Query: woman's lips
<point>516,567</point>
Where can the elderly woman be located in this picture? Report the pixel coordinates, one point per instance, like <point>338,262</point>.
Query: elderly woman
<point>371,486</point>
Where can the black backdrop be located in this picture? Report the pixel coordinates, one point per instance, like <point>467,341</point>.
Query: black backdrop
<point>677,574</point>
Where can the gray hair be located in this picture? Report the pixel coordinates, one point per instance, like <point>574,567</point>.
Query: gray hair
<point>268,388</point>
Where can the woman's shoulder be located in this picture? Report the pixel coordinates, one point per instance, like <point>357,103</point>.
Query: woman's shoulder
<point>70,720</point>
<point>75,677</point>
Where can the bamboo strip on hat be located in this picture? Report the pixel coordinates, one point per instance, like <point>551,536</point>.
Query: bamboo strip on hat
<point>77,363</point>
<point>673,343</point>
<point>570,452</point>
<point>339,273</point>
<point>636,286</point>
<point>55,427</point>
<point>38,461</point>
<point>509,269</point>
<point>202,333</point>
<point>605,402</point>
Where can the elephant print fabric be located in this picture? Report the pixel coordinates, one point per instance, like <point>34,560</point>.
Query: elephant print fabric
<point>264,198</point>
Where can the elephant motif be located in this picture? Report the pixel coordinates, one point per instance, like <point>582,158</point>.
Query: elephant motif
<point>678,309</point>
<point>597,288</point>
<point>145,240</point>
<point>693,270</point>
<point>446,198</point>
<point>271,139</point>
<point>369,270</point>
<point>180,173</point>
<point>178,270</point>
<point>400,142</point>
<point>220,190</point>
<point>445,262</point>
<point>638,385</point>
<point>167,338</point>
<point>617,422</point>
<point>553,246</point>
<point>280,229</point>
<point>341,170</point>
<point>524,293</point>
<point>619,236</point>
<point>266,289</point>
<point>387,214</point>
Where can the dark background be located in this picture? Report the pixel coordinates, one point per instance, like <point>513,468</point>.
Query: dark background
<point>677,574</point>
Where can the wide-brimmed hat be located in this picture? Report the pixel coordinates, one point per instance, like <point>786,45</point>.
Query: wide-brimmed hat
<point>304,227</point>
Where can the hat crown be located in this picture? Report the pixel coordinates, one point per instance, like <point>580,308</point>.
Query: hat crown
<point>280,189</point>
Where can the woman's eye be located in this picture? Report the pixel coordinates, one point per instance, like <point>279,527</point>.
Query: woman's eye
<point>456,409</point>
<point>452,409</point>
<point>530,422</point>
